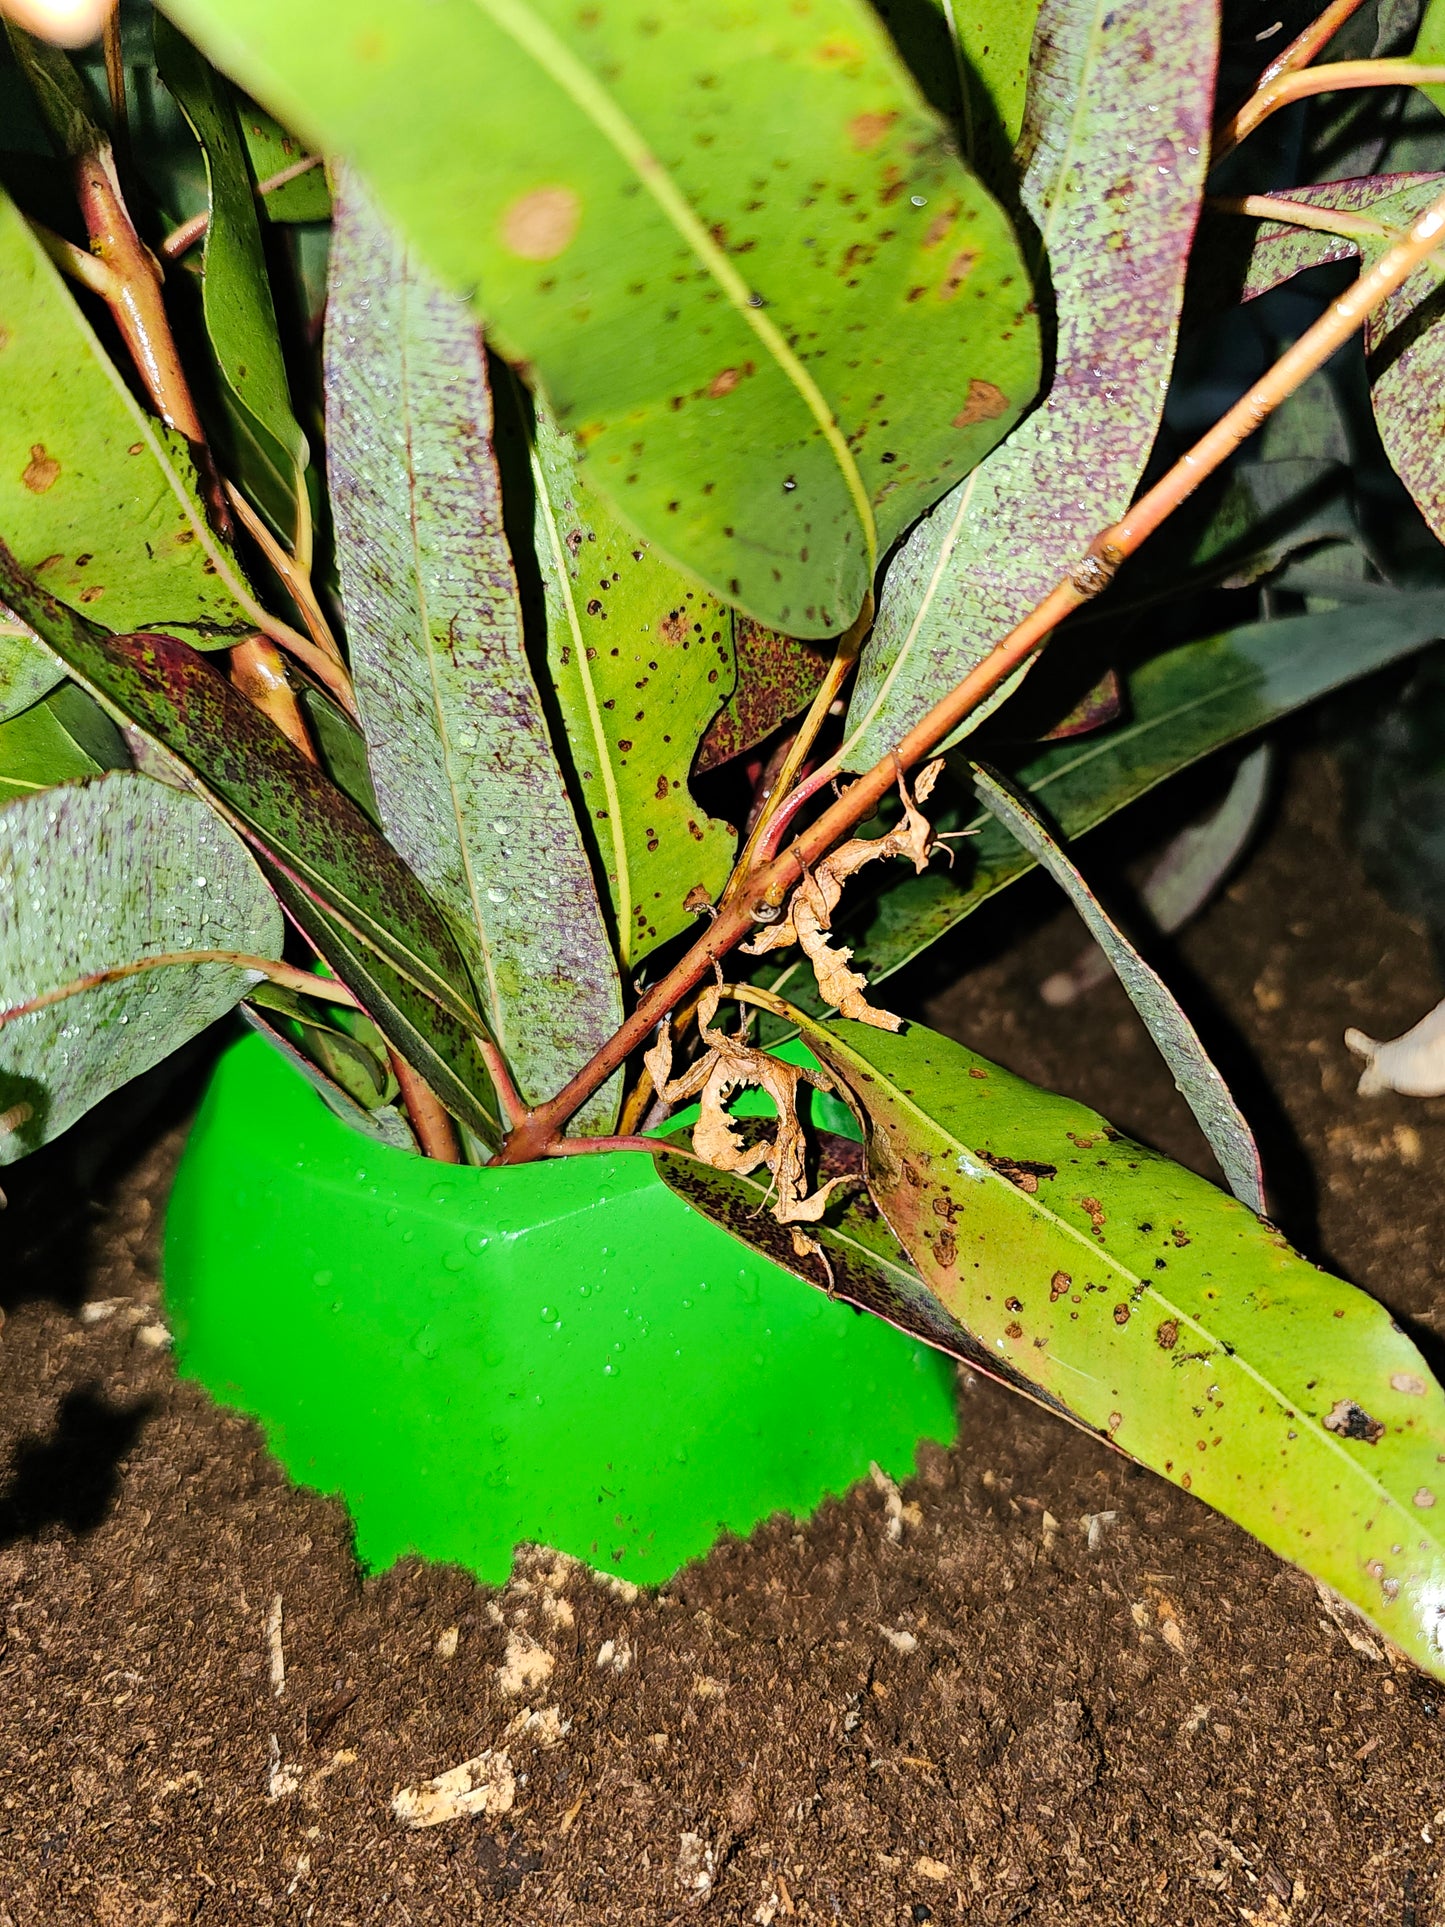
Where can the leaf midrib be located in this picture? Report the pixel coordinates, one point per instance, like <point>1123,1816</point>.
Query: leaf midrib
<point>555,58</point>
<point>1235,1359</point>
<point>615,824</point>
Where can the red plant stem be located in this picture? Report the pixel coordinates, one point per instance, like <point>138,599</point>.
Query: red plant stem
<point>189,232</point>
<point>1318,80</point>
<point>1313,40</point>
<point>435,1131</point>
<point>581,1147</point>
<point>535,1133</point>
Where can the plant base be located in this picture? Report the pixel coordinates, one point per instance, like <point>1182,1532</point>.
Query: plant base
<point>562,1353</point>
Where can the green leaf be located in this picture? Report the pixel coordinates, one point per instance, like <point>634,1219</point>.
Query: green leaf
<point>1182,705</point>
<point>777,678</point>
<point>1178,1043</point>
<point>1429,47</point>
<point>639,658</point>
<point>1113,160</point>
<point>1186,874</point>
<point>273,151</point>
<point>27,668</point>
<point>732,246</point>
<point>340,881</point>
<point>98,499</point>
<point>1404,342</point>
<point>382,1123</point>
<point>60,739</point>
<point>96,876</point>
<point>465,777</point>
<point>971,58</point>
<point>1165,1316</point>
<point>269,452</point>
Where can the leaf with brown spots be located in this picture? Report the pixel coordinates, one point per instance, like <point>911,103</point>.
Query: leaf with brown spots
<point>1113,156</point>
<point>734,248</point>
<point>809,916</point>
<point>1232,1366</point>
<point>639,658</point>
<point>97,498</point>
<point>777,677</point>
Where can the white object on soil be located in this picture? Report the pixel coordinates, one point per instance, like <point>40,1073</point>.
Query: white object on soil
<point>481,1786</point>
<point>1413,1065</point>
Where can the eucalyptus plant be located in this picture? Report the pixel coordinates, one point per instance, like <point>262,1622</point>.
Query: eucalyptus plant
<point>521,532</point>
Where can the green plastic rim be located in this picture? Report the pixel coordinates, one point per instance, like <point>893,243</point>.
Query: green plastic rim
<point>560,1353</point>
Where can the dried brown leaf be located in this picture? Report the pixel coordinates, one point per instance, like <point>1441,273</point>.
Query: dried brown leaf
<point>810,912</point>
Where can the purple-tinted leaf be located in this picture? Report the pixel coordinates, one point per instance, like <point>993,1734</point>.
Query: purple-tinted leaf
<point>342,883</point>
<point>1404,343</point>
<point>1113,162</point>
<point>463,768</point>
<point>1201,1085</point>
<point>777,678</point>
<point>1102,704</point>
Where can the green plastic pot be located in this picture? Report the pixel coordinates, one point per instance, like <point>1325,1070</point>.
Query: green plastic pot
<point>562,1353</point>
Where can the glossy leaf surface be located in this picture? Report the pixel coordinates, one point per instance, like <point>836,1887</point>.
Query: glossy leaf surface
<point>640,658</point>
<point>343,884</point>
<point>1113,163</point>
<point>461,762</point>
<point>1178,1043</point>
<point>60,739</point>
<point>96,495</point>
<point>98,875</point>
<point>1404,342</point>
<point>1182,705</point>
<point>1165,1316</point>
<point>269,451</point>
<point>732,246</point>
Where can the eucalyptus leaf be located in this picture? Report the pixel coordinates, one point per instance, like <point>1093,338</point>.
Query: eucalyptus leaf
<point>269,451</point>
<point>1165,1316</point>
<point>96,497</point>
<point>1187,874</point>
<point>342,883</point>
<point>777,678</point>
<point>732,246</point>
<point>383,1124</point>
<point>462,765</point>
<point>1113,159</point>
<point>273,151</point>
<point>1429,47</point>
<point>1182,705</point>
<point>1404,341</point>
<point>27,668</point>
<point>640,659</point>
<point>99,875</point>
<point>1178,1043</point>
<point>61,739</point>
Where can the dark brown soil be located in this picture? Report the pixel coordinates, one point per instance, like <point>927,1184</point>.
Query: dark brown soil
<point>1065,1693</point>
